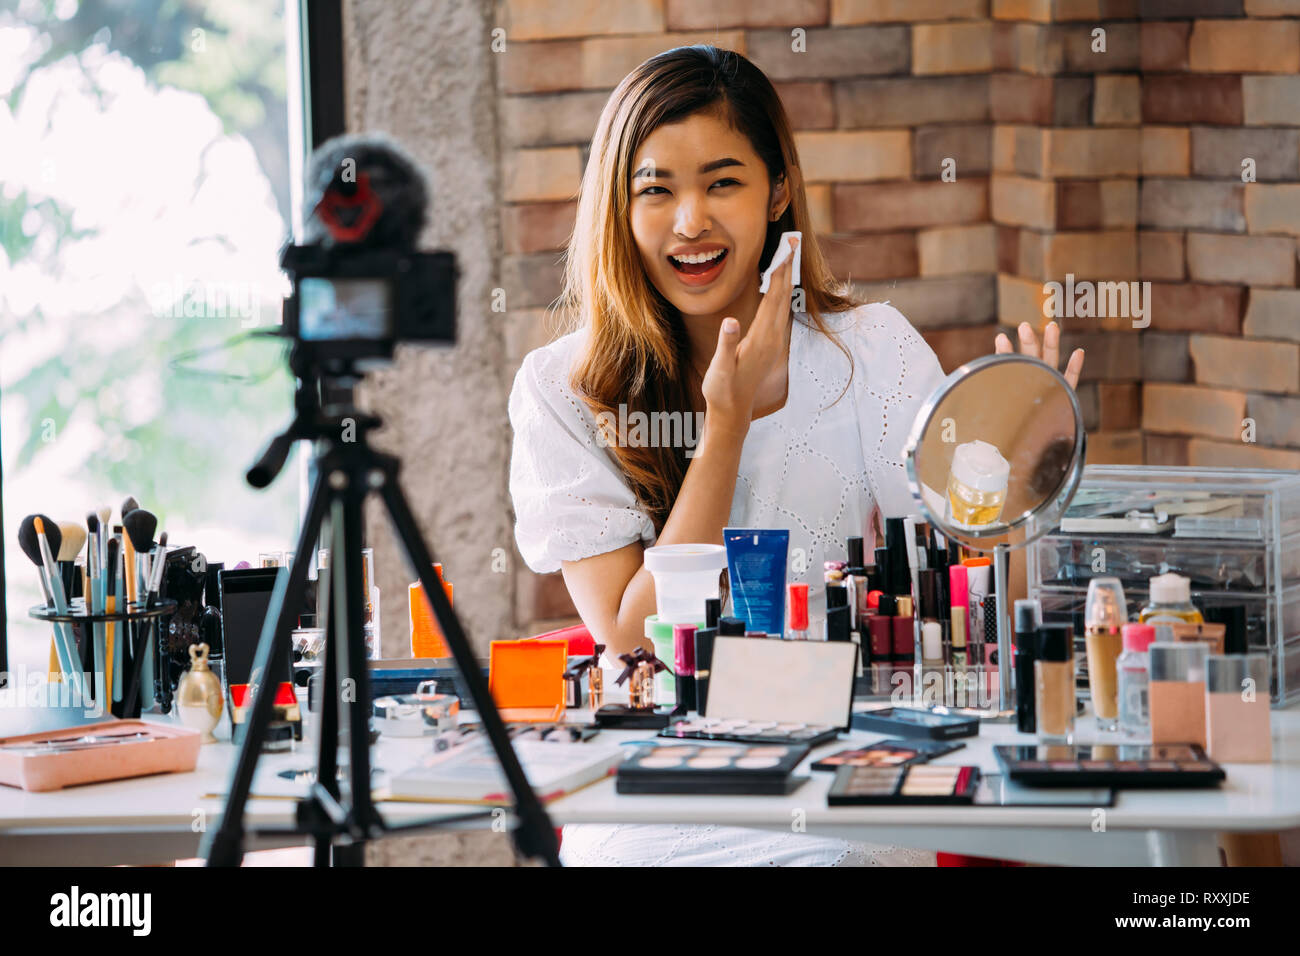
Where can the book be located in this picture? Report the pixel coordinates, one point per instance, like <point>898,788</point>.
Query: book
<point>473,774</point>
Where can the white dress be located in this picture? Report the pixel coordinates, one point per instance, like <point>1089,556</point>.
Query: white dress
<point>817,466</point>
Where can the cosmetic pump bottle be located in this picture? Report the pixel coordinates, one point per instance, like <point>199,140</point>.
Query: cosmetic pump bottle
<point>1054,684</point>
<point>1177,692</point>
<point>704,650</point>
<point>977,484</point>
<point>1105,614</point>
<point>796,612</point>
<point>1171,602</point>
<point>1133,676</point>
<point>1237,727</point>
<point>1029,617</point>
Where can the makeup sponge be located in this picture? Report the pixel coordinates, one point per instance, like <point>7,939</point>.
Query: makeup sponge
<point>782,253</point>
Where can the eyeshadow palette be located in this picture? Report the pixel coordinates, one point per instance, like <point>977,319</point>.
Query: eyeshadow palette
<point>791,733</point>
<point>909,722</point>
<point>1110,765</point>
<point>704,768</point>
<point>887,753</point>
<point>923,784</point>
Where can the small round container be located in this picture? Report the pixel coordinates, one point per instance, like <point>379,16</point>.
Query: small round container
<point>977,483</point>
<point>686,575</point>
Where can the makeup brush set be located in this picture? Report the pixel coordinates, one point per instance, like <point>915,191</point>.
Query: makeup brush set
<point>105,612</point>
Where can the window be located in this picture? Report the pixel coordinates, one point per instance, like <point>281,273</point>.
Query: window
<point>144,197</point>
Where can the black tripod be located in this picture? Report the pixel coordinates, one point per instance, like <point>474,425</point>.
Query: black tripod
<point>339,814</point>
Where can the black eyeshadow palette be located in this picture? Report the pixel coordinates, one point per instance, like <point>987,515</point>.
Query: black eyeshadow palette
<point>709,769</point>
<point>1110,765</point>
<point>924,784</point>
<point>751,731</point>
<point>910,722</point>
<point>887,753</point>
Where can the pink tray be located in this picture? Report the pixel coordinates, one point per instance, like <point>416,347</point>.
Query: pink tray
<point>168,750</point>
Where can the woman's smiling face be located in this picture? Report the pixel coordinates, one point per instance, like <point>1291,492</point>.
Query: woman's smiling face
<point>699,188</point>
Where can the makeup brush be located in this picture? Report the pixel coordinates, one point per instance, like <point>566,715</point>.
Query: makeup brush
<point>74,538</point>
<point>32,548</point>
<point>63,632</point>
<point>112,672</point>
<point>128,560</point>
<point>142,676</point>
<point>140,527</point>
<point>95,604</point>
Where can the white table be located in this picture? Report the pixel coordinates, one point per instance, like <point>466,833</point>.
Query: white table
<point>158,818</point>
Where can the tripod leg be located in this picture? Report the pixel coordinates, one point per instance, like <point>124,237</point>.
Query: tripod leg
<point>327,759</point>
<point>223,846</point>
<point>535,836</point>
<point>346,588</point>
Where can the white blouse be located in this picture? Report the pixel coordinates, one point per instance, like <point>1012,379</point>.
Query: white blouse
<point>818,467</point>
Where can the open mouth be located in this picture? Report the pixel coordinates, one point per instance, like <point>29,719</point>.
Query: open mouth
<point>698,272</point>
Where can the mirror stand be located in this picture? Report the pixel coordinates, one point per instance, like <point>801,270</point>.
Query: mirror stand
<point>993,459</point>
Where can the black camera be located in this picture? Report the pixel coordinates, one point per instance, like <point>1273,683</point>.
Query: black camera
<point>359,285</point>
<point>358,303</point>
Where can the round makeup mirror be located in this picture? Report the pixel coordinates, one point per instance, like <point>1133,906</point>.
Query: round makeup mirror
<point>994,458</point>
<point>996,452</point>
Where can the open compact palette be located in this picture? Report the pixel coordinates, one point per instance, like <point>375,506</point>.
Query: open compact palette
<point>765,690</point>
<point>711,769</point>
<point>887,753</point>
<point>1110,765</point>
<point>922,784</point>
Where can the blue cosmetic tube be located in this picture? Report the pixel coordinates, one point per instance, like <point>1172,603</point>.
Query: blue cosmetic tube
<point>756,565</point>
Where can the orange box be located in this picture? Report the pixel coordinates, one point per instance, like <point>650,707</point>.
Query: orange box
<point>426,635</point>
<point>526,679</point>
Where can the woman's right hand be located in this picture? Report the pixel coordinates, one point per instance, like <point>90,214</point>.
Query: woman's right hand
<point>739,366</point>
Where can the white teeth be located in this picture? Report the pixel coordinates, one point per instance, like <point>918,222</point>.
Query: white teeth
<point>699,257</point>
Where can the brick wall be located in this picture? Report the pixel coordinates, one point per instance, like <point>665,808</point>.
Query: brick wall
<point>1114,164</point>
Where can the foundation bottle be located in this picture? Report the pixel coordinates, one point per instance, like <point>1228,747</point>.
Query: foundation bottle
<point>1237,725</point>
<point>1105,614</point>
<point>1177,692</point>
<point>1054,684</point>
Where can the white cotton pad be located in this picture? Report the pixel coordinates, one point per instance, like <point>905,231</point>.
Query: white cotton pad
<point>782,253</point>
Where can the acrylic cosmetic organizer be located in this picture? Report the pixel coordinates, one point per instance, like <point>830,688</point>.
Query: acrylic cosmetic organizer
<point>1234,532</point>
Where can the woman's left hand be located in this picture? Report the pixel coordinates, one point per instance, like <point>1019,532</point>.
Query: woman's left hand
<point>1051,352</point>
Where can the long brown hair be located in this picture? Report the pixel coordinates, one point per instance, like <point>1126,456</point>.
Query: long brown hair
<point>636,351</point>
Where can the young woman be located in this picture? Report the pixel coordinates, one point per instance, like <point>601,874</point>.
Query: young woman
<point>806,395</point>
